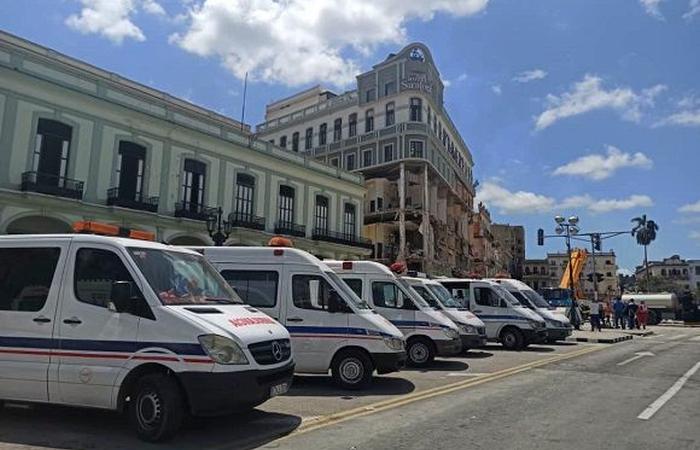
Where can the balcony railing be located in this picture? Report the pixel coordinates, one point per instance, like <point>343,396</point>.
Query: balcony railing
<point>136,201</point>
<point>194,211</point>
<point>52,184</point>
<point>244,220</point>
<point>321,234</point>
<point>291,229</point>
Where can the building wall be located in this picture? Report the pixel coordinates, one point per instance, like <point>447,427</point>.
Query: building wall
<point>673,269</point>
<point>103,110</point>
<point>510,241</point>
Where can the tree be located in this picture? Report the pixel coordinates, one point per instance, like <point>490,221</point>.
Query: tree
<point>645,233</point>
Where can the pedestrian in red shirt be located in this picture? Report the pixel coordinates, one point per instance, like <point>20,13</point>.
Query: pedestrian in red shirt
<point>642,315</point>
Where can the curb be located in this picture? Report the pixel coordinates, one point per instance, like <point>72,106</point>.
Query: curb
<point>679,325</point>
<point>601,340</point>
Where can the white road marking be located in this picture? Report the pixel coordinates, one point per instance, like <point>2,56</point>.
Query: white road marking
<point>634,358</point>
<point>668,395</point>
<point>465,374</point>
<point>676,337</point>
<point>695,339</point>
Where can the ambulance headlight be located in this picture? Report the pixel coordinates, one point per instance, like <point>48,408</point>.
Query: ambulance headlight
<point>394,343</point>
<point>222,349</point>
<point>468,329</point>
<point>451,333</point>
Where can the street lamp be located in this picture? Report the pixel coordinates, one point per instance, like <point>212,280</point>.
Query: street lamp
<point>569,228</point>
<point>219,230</point>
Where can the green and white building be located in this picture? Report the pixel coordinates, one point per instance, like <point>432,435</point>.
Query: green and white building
<point>81,143</point>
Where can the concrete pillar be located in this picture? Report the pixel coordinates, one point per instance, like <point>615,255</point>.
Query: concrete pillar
<point>427,238</point>
<point>402,213</point>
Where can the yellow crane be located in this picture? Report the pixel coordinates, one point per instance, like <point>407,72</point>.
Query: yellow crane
<point>573,271</point>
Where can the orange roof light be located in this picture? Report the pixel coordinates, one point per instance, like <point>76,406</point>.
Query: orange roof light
<point>105,229</point>
<point>279,241</point>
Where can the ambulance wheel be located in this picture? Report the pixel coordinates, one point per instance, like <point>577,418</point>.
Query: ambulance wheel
<point>512,339</point>
<point>420,352</point>
<point>352,369</point>
<point>156,409</point>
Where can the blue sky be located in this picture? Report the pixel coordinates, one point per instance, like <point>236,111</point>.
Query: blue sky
<point>588,107</point>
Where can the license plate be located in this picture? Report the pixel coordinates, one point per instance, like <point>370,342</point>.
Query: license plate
<point>279,389</point>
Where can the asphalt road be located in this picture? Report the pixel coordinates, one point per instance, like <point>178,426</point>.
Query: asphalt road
<point>591,402</point>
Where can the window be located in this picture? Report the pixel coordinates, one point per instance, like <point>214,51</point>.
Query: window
<point>245,194</point>
<point>96,270</point>
<point>337,129</point>
<point>697,270</point>
<point>334,162</point>
<point>426,295</point>
<point>369,120</point>
<point>415,149</point>
<point>26,275</point>
<point>389,88</point>
<point>390,117</point>
<point>310,292</point>
<point>255,287</point>
<point>388,152</point>
<point>416,110</point>
<point>309,138</point>
<point>271,141</point>
<point>321,214</point>
<point>380,203</point>
<point>350,161</point>
<point>283,141</point>
<point>486,297</point>
<point>295,141</point>
<point>370,95</point>
<point>386,295</point>
<point>355,285</point>
<point>131,159</point>
<point>429,114</point>
<point>352,125</point>
<point>372,207</point>
<point>380,250</point>
<point>322,134</point>
<point>286,205</point>
<point>51,152</point>
<point>435,123</point>
<point>349,219</point>
<point>367,158</point>
<point>193,184</point>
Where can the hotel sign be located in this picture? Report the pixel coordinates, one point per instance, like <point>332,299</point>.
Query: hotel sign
<point>417,82</point>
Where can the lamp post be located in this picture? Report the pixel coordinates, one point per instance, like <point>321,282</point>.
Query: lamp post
<point>568,228</point>
<point>219,230</point>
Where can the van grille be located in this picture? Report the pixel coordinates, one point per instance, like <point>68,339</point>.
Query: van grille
<point>271,352</point>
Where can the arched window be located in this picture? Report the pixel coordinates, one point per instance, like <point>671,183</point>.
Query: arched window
<point>389,114</point>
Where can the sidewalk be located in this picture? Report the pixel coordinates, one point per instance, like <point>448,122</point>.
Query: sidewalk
<point>607,336</point>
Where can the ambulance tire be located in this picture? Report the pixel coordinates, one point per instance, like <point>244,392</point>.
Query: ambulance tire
<point>156,410</point>
<point>352,369</point>
<point>420,352</point>
<point>512,339</point>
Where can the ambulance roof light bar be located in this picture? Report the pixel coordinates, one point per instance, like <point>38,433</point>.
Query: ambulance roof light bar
<point>105,229</point>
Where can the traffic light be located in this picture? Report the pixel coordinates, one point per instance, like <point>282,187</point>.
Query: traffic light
<point>540,237</point>
<point>596,241</point>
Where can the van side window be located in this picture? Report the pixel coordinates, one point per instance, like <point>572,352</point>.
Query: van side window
<point>310,292</point>
<point>426,295</point>
<point>486,297</point>
<point>385,294</point>
<point>255,287</point>
<point>26,275</point>
<point>95,272</point>
<point>355,284</point>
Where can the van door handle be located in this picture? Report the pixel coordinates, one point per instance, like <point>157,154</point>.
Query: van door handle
<point>41,319</point>
<point>477,311</point>
<point>72,321</point>
<point>294,319</point>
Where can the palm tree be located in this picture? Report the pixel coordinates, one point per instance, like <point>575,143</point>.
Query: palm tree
<point>645,233</point>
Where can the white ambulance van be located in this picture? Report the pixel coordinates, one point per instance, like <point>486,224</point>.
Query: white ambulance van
<point>134,326</point>
<point>507,321</point>
<point>428,332</point>
<point>331,327</point>
<point>558,325</point>
<point>472,330</point>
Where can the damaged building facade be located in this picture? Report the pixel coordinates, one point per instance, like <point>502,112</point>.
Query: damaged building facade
<point>393,129</point>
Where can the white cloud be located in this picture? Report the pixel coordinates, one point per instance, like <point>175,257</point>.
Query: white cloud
<point>297,42</point>
<point>651,7</point>
<point>446,82</point>
<point>530,75</point>
<point>688,118</point>
<point>507,202</point>
<point>462,77</point>
<point>599,167</point>
<point>695,235</point>
<point>608,205</point>
<point>693,9</point>
<point>112,18</point>
<point>496,89</point>
<point>690,208</point>
<point>589,95</point>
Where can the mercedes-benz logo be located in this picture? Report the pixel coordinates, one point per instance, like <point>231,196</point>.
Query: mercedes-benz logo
<point>276,351</point>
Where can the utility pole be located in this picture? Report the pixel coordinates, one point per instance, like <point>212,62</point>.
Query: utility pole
<point>594,239</point>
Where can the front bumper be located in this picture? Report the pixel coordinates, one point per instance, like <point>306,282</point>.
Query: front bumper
<point>472,341</point>
<point>218,393</point>
<point>388,362</point>
<point>535,336</point>
<point>450,347</point>
<point>558,334</point>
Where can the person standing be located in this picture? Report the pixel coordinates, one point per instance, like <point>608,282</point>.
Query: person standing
<point>595,316</point>
<point>619,313</point>
<point>642,315</point>
<point>631,314</point>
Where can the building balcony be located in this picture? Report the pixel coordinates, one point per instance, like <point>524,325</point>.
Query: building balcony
<point>193,211</point>
<point>320,234</point>
<point>138,201</point>
<point>45,183</point>
<point>290,229</point>
<point>244,220</point>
